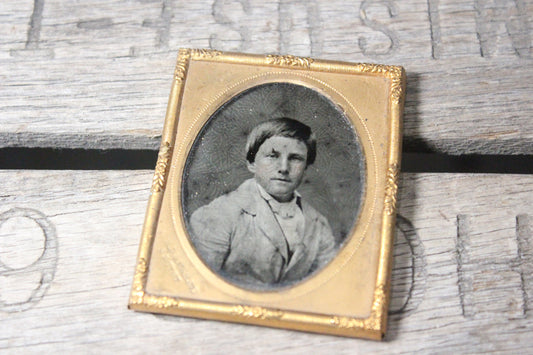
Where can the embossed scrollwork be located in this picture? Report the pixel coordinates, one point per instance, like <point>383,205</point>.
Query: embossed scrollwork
<point>289,60</point>
<point>162,302</point>
<point>158,182</point>
<point>139,279</point>
<point>256,312</point>
<point>391,189</point>
<point>181,64</point>
<point>204,53</point>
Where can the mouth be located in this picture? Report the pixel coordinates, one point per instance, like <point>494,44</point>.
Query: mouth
<point>281,179</point>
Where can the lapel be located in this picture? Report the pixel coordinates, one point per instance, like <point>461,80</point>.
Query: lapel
<point>302,250</point>
<point>264,218</point>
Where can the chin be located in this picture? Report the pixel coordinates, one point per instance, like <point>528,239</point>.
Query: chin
<point>280,195</point>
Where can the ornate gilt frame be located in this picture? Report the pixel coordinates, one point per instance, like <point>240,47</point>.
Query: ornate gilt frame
<point>253,310</point>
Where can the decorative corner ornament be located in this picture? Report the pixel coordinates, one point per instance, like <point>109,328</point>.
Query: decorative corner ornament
<point>275,186</point>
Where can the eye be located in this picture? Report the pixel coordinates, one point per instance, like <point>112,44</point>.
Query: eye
<point>297,158</point>
<point>272,154</point>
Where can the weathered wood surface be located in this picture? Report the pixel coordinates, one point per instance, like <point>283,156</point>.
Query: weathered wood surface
<point>96,74</point>
<point>462,281</point>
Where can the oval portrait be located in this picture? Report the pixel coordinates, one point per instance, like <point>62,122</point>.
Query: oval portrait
<point>272,186</point>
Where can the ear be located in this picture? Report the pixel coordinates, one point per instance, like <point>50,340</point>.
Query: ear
<point>251,167</point>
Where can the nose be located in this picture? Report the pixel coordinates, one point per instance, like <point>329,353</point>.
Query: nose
<point>283,167</point>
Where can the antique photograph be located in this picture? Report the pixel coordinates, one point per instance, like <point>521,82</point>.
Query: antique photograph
<point>273,185</point>
<point>273,199</point>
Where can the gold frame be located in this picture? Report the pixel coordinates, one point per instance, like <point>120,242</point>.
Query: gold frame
<point>254,307</point>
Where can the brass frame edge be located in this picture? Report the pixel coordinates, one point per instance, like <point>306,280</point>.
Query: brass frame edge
<point>374,326</point>
<point>138,292</point>
<point>380,306</point>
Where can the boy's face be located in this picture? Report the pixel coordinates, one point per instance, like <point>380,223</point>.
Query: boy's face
<point>279,166</point>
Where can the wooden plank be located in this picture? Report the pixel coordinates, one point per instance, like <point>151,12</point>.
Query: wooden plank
<point>96,74</point>
<point>462,278</point>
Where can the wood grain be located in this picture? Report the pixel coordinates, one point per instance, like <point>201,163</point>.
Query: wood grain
<point>96,74</point>
<point>462,280</point>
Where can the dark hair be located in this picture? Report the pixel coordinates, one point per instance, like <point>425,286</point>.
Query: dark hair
<point>283,127</point>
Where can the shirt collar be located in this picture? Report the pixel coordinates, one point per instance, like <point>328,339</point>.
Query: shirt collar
<point>284,207</point>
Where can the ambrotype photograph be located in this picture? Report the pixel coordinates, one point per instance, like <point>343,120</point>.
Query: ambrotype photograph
<point>274,194</point>
<point>273,185</point>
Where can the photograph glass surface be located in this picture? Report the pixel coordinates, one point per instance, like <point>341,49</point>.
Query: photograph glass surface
<point>260,235</point>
